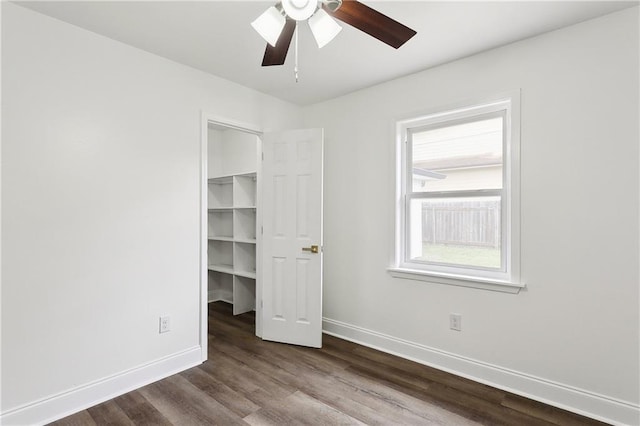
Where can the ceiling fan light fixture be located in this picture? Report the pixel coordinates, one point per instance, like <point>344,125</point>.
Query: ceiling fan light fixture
<point>269,25</point>
<point>323,27</point>
<point>332,5</point>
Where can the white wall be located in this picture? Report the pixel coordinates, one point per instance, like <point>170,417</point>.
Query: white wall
<point>571,337</point>
<point>100,210</point>
<point>214,160</point>
<point>231,152</point>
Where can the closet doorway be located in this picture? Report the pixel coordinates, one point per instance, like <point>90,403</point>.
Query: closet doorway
<point>261,223</point>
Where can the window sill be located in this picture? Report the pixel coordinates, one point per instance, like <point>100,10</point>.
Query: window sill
<point>457,280</point>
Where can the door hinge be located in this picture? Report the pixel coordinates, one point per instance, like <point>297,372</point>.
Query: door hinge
<point>262,230</point>
<point>263,156</point>
<point>261,304</point>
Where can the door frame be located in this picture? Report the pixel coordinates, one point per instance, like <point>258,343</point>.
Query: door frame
<point>206,119</point>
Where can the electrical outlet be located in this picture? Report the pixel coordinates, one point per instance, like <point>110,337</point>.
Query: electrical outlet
<point>165,324</point>
<point>455,322</point>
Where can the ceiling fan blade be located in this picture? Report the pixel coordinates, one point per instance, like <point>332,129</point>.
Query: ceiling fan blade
<point>374,23</point>
<point>276,55</point>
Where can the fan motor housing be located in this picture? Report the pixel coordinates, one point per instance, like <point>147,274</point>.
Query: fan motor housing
<point>300,10</point>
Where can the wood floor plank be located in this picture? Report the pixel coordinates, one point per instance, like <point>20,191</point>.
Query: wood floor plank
<point>391,403</point>
<point>299,409</point>
<point>183,404</point>
<point>139,410</point>
<point>351,399</point>
<point>418,388</point>
<point>222,393</point>
<point>256,387</point>
<point>228,377</point>
<point>431,374</point>
<point>547,412</point>
<point>312,381</point>
<point>265,365</point>
<point>319,360</point>
<point>109,413</point>
<point>379,361</point>
<point>261,378</point>
<point>468,398</point>
<point>82,418</point>
<point>453,400</point>
<point>276,360</point>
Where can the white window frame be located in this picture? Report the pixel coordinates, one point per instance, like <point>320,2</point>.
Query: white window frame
<point>506,279</point>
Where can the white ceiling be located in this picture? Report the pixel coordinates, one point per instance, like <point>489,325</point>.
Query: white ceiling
<point>216,37</point>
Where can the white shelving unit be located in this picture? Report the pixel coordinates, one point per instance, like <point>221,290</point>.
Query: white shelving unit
<point>232,240</point>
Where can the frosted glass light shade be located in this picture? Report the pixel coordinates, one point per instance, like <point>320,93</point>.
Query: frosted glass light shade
<point>269,25</point>
<point>323,27</point>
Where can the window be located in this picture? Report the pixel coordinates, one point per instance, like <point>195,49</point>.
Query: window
<point>458,206</point>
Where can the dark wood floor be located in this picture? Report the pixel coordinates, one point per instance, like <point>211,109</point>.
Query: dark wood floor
<point>250,381</point>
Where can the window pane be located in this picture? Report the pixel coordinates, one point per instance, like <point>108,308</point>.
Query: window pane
<point>459,157</point>
<point>456,231</point>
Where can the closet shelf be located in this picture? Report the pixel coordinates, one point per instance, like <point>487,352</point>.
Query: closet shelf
<point>227,269</point>
<point>232,239</point>
<point>245,240</point>
<point>228,209</point>
<point>220,238</point>
<point>229,177</point>
<point>246,274</point>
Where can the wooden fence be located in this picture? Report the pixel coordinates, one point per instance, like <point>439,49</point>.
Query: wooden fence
<point>469,223</point>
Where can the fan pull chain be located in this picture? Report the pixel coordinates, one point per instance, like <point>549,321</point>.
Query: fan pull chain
<point>295,68</point>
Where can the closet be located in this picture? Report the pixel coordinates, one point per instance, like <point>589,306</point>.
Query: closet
<point>261,228</point>
<point>232,163</point>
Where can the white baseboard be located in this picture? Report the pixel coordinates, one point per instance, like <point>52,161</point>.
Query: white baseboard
<point>77,399</point>
<point>569,398</point>
<point>219,296</point>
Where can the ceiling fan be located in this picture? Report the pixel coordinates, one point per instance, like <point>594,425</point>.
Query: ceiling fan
<point>278,24</point>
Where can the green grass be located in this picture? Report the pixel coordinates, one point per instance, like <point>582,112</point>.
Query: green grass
<point>461,255</point>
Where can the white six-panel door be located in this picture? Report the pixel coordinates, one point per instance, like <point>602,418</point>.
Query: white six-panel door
<point>292,226</point>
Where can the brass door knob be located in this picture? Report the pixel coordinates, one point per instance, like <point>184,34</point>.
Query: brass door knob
<point>312,249</point>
